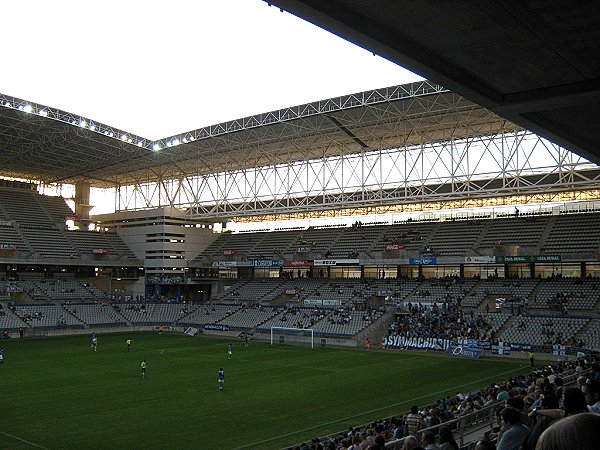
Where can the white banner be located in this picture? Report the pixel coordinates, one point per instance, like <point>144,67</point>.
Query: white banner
<point>332,302</point>
<point>559,350</point>
<point>403,341</point>
<point>224,264</point>
<point>313,301</point>
<point>191,331</point>
<point>480,259</point>
<point>335,262</point>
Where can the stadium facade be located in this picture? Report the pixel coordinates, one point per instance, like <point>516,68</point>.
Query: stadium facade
<point>416,147</point>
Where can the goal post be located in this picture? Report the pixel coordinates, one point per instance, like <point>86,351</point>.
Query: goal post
<point>294,336</point>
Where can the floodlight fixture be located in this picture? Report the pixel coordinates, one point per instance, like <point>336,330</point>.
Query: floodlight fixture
<point>7,104</point>
<point>139,143</point>
<point>82,123</point>
<point>176,141</point>
<point>43,113</point>
<point>156,147</point>
<point>92,127</point>
<point>27,108</point>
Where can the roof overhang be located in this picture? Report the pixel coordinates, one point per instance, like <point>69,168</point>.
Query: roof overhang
<point>62,148</point>
<point>534,63</point>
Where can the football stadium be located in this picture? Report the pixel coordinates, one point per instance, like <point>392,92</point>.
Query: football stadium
<point>410,267</point>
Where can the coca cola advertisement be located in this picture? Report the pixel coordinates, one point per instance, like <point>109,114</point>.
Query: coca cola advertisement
<point>393,246</point>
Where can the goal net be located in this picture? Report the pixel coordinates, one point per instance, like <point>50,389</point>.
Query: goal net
<point>294,336</point>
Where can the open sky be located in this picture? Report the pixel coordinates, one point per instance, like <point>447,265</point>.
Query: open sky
<point>157,68</point>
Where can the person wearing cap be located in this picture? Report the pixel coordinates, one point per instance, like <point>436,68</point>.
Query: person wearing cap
<point>503,394</point>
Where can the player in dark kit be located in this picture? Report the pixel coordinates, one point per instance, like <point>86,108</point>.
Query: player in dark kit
<point>221,378</point>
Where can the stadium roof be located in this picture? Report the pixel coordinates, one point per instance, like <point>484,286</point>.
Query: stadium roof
<point>533,62</point>
<point>44,144</point>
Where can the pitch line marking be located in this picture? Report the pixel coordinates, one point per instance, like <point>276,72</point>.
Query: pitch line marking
<point>369,412</point>
<point>23,440</point>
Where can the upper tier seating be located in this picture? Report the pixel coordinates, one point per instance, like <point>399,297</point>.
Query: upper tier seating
<point>452,237</point>
<point>562,239</point>
<point>36,225</point>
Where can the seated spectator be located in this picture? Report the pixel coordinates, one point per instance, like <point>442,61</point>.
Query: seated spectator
<point>503,394</point>
<point>434,417</point>
<point>591,389</point>
<point>541,422</point>
<point>596,371</point>
<point>484,444</point>
<point>574,403</point>
<point>410,443</point>
<point>514,433</point>
<point>356,443</point>
<point>447,441</point>
<point>519,405</point>
<point>398,430</point>
<point>579,431</point>
<point>428,440</point>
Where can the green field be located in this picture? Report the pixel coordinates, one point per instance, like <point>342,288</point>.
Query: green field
<point>56,393</point>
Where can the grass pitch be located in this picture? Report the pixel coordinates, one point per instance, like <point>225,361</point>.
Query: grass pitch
<point>57,393</point>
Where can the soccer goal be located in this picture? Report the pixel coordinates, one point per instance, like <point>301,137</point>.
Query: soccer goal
<point>294,336</point>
